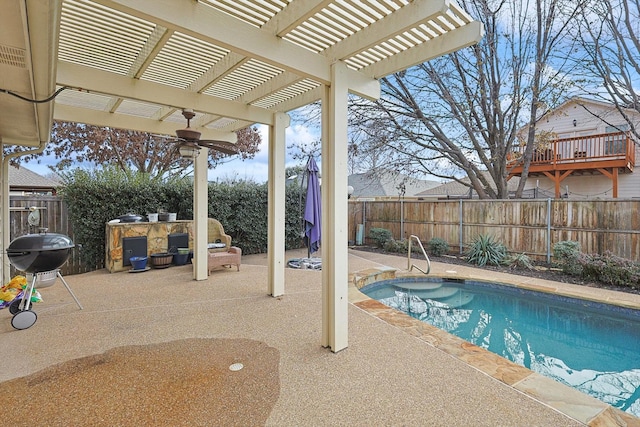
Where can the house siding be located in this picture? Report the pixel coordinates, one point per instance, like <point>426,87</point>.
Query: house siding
<point>595,120</point>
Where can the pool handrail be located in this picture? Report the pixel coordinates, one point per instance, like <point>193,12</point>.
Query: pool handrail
<point>410,265</point>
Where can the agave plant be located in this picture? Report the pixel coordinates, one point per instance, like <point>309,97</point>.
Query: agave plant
<point>486,250</point>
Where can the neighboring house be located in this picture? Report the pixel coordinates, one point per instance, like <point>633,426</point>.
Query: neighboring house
<point>387,185</point>
<point>23,181</point>
<point>458,190</point>
<point>584,150</point>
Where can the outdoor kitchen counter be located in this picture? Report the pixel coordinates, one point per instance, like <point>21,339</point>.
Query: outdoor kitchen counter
<point>156,233</point>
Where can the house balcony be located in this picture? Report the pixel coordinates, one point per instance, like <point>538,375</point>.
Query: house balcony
<point>607,154</point>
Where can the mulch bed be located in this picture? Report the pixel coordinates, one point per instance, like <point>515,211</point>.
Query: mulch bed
<point>541,270</point>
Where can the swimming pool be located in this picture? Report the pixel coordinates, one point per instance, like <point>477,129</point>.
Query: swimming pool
<point>590,346</point>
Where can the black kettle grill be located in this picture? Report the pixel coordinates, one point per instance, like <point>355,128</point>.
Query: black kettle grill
<point>37,253</point>
<point>40,255</point>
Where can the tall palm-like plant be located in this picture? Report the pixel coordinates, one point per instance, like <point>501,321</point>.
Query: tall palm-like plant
<point>486,250</point>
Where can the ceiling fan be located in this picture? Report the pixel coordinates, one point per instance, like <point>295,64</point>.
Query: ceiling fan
<point>189,139</point>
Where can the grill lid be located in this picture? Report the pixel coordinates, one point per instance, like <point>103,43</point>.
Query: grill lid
<point>41,242</point>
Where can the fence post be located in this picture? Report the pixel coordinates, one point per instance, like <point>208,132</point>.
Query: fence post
<point>364,219</point>
<point>549,231</point>
<point>460,233</point>
<point>402,219</point>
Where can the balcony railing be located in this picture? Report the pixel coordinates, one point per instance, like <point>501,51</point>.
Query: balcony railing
<point>583,152</point>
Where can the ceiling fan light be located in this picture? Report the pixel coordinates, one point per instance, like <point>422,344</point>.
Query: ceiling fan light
<point>189,151</point>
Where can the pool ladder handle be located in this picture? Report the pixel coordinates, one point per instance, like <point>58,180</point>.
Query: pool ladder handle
<point>410,265</point>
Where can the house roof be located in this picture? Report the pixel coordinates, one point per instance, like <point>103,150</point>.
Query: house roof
<point>371,184</point>
<point>457,189</point>
<point>23,178</point>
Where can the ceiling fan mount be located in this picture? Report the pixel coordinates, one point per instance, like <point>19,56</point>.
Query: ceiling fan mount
<point>188,133</point>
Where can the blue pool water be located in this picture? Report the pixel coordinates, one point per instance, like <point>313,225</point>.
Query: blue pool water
<point>592,347</point>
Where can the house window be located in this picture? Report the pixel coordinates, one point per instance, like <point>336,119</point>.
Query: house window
<point>616,144</point>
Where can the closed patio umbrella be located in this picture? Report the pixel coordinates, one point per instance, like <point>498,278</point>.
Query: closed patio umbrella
<point>312,208</point>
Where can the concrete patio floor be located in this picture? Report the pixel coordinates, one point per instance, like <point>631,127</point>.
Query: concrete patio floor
<point>392,373</point>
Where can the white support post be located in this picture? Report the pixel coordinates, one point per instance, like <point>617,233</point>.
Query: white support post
<point>4,214</point>
<point>200,214</point>
<point>276,204</point>
<point>335,269</point>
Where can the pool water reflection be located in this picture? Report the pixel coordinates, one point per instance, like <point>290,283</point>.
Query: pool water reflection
<point>592,347</point>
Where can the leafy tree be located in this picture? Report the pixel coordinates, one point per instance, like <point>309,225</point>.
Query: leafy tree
<point>131,151</point>
<point>460,115</point>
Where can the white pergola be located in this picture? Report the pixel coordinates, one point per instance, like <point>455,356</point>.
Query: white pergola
<point>135,64</point>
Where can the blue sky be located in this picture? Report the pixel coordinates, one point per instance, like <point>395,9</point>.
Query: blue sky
<point>256,169</point>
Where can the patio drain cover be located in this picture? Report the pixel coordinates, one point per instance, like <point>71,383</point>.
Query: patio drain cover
<point>236,367</point>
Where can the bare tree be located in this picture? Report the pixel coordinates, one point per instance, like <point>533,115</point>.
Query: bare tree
<point>460,115</point>
<point>610,39</point>
<point>366,148</point>
<point>77,143</point>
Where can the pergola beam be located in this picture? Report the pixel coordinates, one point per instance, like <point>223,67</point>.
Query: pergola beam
<point>103,82</point>
<point>68,113</point>
<point>449,42</point>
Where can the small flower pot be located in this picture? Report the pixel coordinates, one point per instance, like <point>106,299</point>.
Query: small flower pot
<point>161,260</point>
<point>138,262</point>
<point>180,259</point>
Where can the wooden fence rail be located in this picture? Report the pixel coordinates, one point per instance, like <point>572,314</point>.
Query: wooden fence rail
<point>53,215</point>
<point>524,226</point>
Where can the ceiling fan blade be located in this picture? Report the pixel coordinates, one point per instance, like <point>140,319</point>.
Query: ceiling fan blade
<point>225,147</point>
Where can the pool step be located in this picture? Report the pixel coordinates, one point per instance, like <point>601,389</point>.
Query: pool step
<point>453,297</point>
<point>434,294</point>
<point>459,300</point>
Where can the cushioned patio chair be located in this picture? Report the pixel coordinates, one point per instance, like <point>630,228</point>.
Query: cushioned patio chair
<point>216,237</point>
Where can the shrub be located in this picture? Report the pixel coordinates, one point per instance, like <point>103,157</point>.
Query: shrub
<point>610,269</point>
<point>399,246</point>
<point>520,261</point>
<point>567,253</point>
<point>486,250</point>
<point>437,246</point>
<point>391,245</point>
<point>380,236</point>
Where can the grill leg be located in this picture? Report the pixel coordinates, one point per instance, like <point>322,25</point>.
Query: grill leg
<point>26,295</point>
<point>66,285</point>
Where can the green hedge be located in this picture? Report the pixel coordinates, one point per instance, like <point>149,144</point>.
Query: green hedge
<point>95,197</point>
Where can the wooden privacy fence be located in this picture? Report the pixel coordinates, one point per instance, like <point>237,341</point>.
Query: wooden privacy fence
<point>53,215</point>
<point>524,226</point>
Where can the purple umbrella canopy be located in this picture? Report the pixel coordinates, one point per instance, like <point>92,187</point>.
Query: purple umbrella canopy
<point>312,208</point>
